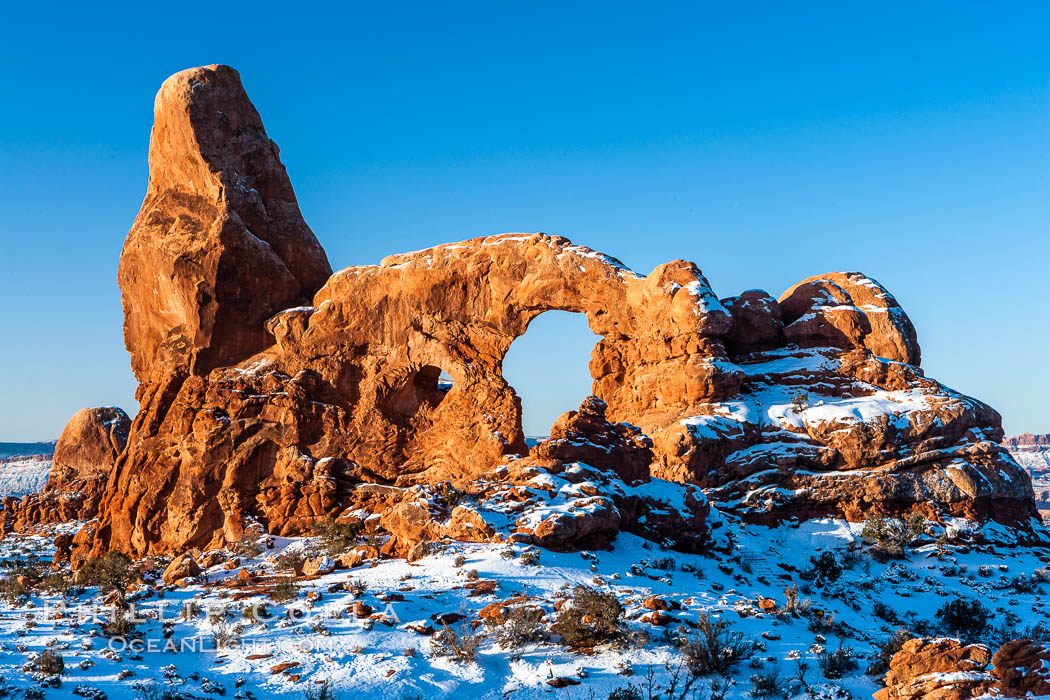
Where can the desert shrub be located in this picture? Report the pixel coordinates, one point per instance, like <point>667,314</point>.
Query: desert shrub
<point>247,545</point>
<point>663,563</point>
<point>60,583</point>
<point>823,622</point>
<point>714,647</point>
<point>337,535</point>
<point>890,536</point>
<point>1024,584</point>
<point>49,663</point>
<point>357,587</point>
<point>224,636</point>
<point>255,613</point>
<point>111,572</point>
<point>460,644</point>
<point>967,619</point>
<point>592,618</point>
<point>530,557</point>
<point>13,591</point>
<point>891,646</point>
<point>767,683</point>
<point>459,561</point>
<point>822,569</point>
<point>448,495</point>
<point>290,560</point>
<point>628,692</point>
<point>320,691</point>
<point>519,625</point>
<point>118,625</point>
<point>793,605</point>
<point>838,663</point>
<point>884,612</point>
<point>284,591</point>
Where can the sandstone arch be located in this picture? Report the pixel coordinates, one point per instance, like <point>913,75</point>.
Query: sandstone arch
<point>460,306</point>
<point>270,391</point>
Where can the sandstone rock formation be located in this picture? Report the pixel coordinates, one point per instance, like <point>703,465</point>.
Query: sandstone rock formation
<point>946,669</point>
<point>272,393</point>
<point>219,244</point>
<point>90,444</point>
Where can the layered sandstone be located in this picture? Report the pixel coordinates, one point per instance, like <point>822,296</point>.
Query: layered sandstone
<point>947,669</point>
<point>272,392</point>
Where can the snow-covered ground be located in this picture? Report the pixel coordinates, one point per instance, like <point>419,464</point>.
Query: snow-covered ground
<point>23,476</point>
<point>370,630</point>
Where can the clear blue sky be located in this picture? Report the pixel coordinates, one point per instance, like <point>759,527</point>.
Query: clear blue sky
<point>906,140</point>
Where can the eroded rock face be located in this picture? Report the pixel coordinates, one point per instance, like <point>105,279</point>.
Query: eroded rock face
<point>219,244</point>
<point>947,669</point>
<point>273,393</point>
<point>84,457</point>
<point>941,669</point>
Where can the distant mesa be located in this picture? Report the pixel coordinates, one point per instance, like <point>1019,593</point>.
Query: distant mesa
<point>274,393</point>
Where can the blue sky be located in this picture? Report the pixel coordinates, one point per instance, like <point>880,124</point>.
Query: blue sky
<point>768,144</point>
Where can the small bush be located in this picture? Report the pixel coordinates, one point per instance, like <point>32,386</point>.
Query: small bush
<point>459,561</point>
<point>118,625</point>
<point>460,644</point>
<point>517,626</point>
<point>284,591</point>
<point>967,619</point>
<point>822,569</point>
<point>337,536</point>
<point>49,663</point>
<point>321,691</point>
<point>60,583</point>
<point>1024,584</point>
<point>592,618</point>
<point>449,496</point>
<point>255,613</point>
<point>530,557</point>
<point>890,537</point>
<point>767,683</point>
<point>13,591</point>
<point>891,646</point>
<point>714,647</point>
<point>884,612</point>
<point>290,561</point>
<point>111,572</point>
<point>793,605</point>
<point>247,545</point>
<point>823,622</point>
<point>838,663</point>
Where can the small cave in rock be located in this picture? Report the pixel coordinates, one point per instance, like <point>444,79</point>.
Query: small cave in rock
<point>548,367</point>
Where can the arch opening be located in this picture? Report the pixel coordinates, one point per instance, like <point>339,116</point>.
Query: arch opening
<point>548,368</point>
